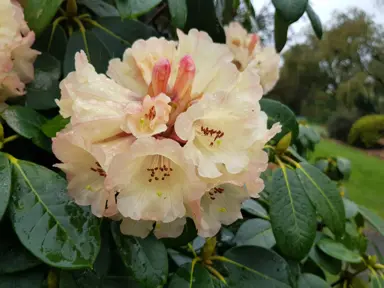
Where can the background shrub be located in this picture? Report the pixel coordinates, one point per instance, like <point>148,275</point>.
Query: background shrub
<point>367,131</point>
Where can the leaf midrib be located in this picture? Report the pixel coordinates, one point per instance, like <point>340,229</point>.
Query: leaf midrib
<point>16,164</point>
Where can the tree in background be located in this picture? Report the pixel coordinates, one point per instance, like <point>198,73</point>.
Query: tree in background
<point>341,72</point>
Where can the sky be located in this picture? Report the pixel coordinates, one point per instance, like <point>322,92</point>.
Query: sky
<point>325,8</point>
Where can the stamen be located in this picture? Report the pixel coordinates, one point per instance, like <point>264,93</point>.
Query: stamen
<point>185,77</point>
<point>160,76</point>
<point>158,166</point>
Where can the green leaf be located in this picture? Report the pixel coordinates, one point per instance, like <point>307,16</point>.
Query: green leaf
<point>5,183</point>
<point>28,279</point>
<point>344,166</point>
<point>135,8</point>
<point>200,277</point>
<point>179,258</point>
<point>290,10</point>
<point>323,260</point>
<point>14,257</point>
<point>256,232</point>
<point>351,208</point>
<point>189,233</point>
<point>278,112</point>
<point>324,195</point>
<point>99,7</point>
<point>280,32</point>
<point>264,269</point>
<point>315,21</point>
<point>44,89</point>
<point>293,217</point>
<point>39,13</point>
<point>202,16</point>
<point>57,46</point>
<point>377,280</point>
<point>311,281</point>
<point>178,10</point>
<point>27,123</point>
<point>354,240</point>
<point>124,33</point>
<point>97,52</point>
<point>379,255</point>
<point>311,267</point>
<point>54,125</point>
<point>146,259</point>
<point>254,208</point>
<point>375,220</point>
<point>338,251</point>
<point>118,282</point>
<point>47,222</point>
<point>294,271</point>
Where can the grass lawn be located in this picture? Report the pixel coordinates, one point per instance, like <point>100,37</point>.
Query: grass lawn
<point>366,184</point>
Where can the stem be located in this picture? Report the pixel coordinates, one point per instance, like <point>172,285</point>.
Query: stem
<point>83,16</point>
<point>341,280</point>
<point>82,31</point>
<point>269,147</point>
<point>70,30</point>
<point>216,273</point>
<point>96,24</point>
<point>224,259</point>
<point>194,261</point>
<point>156,13</point>
<point>291,161</point>
<point>192,250</point>
<point>10,138</point>
<point>54,26</point>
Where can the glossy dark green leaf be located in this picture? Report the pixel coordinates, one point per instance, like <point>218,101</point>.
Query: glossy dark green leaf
<point>351,208</point>
<point>28,279</point>
<point>54,125</point>
<point>57,46</point>
<point>5,183</point>
<point>202,16</point>
<point>290,10</point>
<point>189,233</point>
<point>118,282</point>
<point>99,7</point>
<point>200,277</point>
<point>178,10</point>
<point>311,267</point>
<point>311,281</point>
<point>377,280</point>
<point>44,89</point>
<point>344,166</point>
<point>293,217</point>
<point>253,266</point>
<point>99,55</point>
<point>47,222</point>
<point>14,257</point>
<point>27,122</point>
<point>124,33</point>
<point>179,258</point>
<point>256,232</point>
<point>146,259</point>
<point>324,195</point>
<point>375,220</point>
<point>280,31</point>
<point>325,261</point>
<point>354,240</point>
<point>278,112</point>
<point>254,208</point>
<point>39,13</point>
<point>315,21</point>
<point>338,251</point>
<point>134,8</point>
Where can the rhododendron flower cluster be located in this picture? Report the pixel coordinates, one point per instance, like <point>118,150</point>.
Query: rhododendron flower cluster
<point>174,131</point>
<point>249,53</point>
<point>16,56</point>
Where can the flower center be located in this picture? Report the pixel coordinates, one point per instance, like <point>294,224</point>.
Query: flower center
<point>214,191</point>
<point>159,169</point>
<point>214,136</point>
<point>99,170</point>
